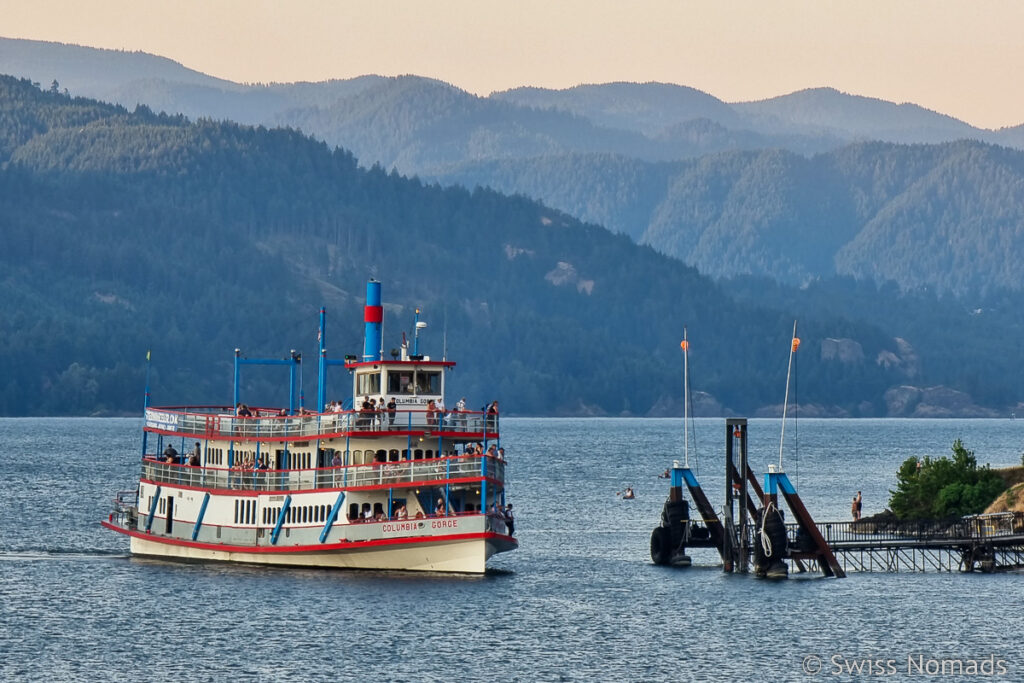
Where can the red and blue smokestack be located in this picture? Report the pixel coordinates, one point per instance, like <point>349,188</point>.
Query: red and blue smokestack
<point>373,316</point>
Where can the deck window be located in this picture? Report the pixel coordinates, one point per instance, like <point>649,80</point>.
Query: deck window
<point>368,384</point>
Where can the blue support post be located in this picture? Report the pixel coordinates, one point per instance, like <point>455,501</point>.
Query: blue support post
<point>447,476</point>
<point>483,483</point>
<point>199,520</point>
<point>280,520</point>
<point>784,483</point>
<point>152,508</point>
<point>332,517</point>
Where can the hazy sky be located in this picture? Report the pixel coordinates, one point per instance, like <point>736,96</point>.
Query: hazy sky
<point>959,58</point>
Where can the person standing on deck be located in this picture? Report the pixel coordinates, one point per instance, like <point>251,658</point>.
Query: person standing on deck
<point>439,406</point>
<point>510,520</point>
<point>460,407</point>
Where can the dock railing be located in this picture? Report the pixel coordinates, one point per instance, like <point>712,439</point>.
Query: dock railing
<point>872,532</point>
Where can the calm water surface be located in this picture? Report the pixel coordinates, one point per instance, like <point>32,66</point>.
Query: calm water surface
<point>579,600</point>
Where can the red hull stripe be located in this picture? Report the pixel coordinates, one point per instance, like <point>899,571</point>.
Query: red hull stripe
<point>300,549</point>
<point>429,483</point>
<point>373,314</point>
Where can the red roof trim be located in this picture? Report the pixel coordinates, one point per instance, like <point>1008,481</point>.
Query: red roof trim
<point>401,363</point>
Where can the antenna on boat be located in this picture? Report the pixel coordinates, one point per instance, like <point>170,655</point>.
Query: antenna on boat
<point>145,398</point>
<point>416,335</point>
<point>444,336</point>
<point>785,401</point>
<point>685,346</point>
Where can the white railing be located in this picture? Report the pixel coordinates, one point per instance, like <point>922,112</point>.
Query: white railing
<point>213,425</point>
<point>402,472</point>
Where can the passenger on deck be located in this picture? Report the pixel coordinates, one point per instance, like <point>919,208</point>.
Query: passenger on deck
<point>392,408</point>
<point>171,455</point>
<point>439,406</point>
<point>492,451</point>
<point>193,460</point>
<point>401,512</point>
<point>336,460</point>
<point>501,454</point>
<point>460,408</point>
<point>431,411</point>
<point>367,512</point>
<point>243,410</point>
<point>439,509</point>
<point>510,520</point>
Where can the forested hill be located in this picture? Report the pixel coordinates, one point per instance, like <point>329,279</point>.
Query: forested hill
<point>127,231</point>
<point>942,217</point>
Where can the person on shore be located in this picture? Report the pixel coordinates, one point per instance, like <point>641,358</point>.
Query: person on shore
<point>857,503</point>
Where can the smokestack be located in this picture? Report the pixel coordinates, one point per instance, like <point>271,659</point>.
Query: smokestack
<point>373,316</point>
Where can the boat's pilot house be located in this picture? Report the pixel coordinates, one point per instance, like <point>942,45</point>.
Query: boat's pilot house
<point>402,382</point>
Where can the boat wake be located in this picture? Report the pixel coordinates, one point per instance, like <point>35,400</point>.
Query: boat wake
<point>36,554</point>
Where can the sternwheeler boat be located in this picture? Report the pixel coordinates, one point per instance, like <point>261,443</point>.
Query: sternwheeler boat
<point>402,483</point>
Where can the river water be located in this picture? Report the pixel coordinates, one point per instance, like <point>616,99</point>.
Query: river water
<point>580,599</point>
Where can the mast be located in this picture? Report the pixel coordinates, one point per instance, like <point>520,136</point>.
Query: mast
<point>794,345</point>
<point>685,345</point>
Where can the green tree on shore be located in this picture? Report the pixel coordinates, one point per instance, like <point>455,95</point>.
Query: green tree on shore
<point>944,487</point>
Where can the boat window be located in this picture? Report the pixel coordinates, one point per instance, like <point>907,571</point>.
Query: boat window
<point>405,454</point>
<point>400,382</point>
<point>368,383</point>
<point>428,454</point>
<point>429,382</point>
<point>393,455</point>
<point>417,454</point>
<point>353,511</point>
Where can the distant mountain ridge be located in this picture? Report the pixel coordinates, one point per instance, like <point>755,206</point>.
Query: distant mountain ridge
<point>129,230</point>
<point>759,188</point>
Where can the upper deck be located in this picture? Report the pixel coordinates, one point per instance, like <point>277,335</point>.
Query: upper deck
<point>218,422</point>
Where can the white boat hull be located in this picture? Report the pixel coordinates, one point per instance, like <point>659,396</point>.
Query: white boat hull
<point>468,556</point>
